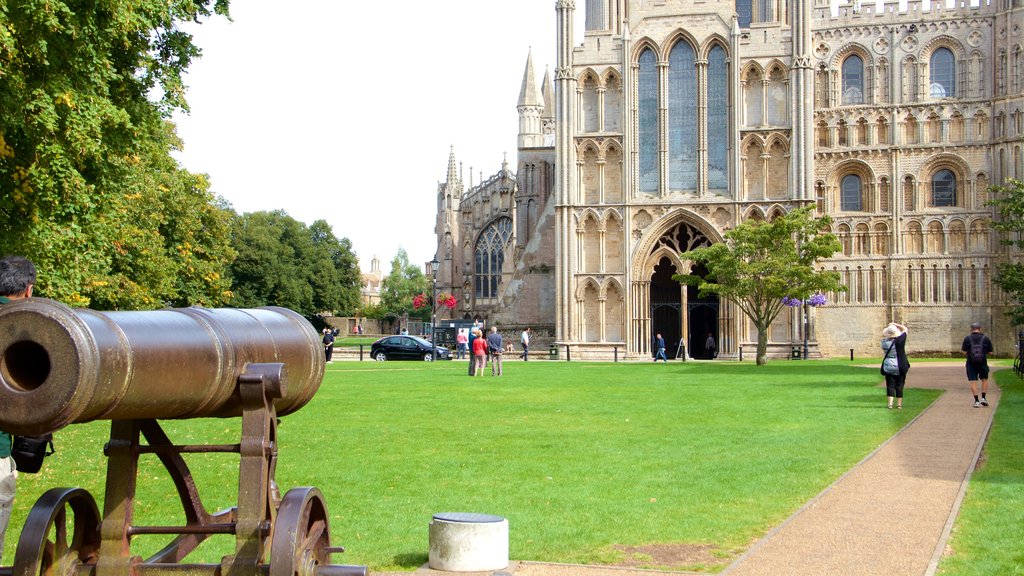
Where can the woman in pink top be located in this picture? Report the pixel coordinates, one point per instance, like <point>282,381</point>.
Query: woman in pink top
<point>460,344</point>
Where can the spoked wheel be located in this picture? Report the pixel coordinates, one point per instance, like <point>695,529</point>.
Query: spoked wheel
<point>301,534</point>
<point>62,532</point>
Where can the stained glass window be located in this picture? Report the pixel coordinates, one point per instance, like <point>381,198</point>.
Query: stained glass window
<point>490,256</point>
<point>850,193</point>
<point>682,118</point>
<point>744,12</point>
<point>943,74</point>
<point>648,120</point>
<point>718,119</point>
<point>944,188</point>
<point>853,80</point>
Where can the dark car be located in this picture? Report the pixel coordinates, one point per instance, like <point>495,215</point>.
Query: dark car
<point>407,348</point>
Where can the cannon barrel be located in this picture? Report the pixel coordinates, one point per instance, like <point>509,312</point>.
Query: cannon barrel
<point>60,366</point>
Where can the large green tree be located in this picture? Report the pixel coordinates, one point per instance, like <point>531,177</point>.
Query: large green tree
<point>1009,203</point>
<point>88,188</point>
<point>283,262</point>
<point>760,263</point>
<point>402,285</point>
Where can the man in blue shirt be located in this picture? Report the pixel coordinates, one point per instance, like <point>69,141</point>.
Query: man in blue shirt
<point>659,346</point>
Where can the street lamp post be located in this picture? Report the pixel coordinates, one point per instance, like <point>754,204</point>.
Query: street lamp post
<point>434,265</point>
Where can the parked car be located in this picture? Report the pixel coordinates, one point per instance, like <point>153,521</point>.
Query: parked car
<point>407,348</point>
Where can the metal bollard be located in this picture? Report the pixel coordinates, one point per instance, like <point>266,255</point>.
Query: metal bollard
<point>741,353</point>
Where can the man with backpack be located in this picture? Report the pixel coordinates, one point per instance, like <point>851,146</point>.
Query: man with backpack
<point>978,347</point>
<point>17,277</point>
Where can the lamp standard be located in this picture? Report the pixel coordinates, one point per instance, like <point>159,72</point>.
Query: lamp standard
<point>434,265</point>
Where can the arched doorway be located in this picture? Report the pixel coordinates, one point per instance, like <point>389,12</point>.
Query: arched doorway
<point>666,308</point>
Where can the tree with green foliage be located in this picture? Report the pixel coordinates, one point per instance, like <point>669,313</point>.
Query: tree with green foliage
<point>90,191</point>
<point>1009,203</point>
<point>761,263</point>
<point>402,285</point>
<point>282,262</point>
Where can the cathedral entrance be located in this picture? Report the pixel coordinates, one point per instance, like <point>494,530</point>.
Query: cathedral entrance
<point>702,318</point>
<point>666,308</point>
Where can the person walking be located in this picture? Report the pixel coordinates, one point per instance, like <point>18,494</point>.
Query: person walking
<point>895,364</point>
<point>709,346</point>
<point>461,343</point>
<point>479,353</point>
<point>17,278</point>
<point>524,339</point>
<point>659,347</point>
<point>978,347</point>
<point>495,347</point>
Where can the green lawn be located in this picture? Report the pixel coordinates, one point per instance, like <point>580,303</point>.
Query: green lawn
<point>987,536</point>
<point>579,457</point>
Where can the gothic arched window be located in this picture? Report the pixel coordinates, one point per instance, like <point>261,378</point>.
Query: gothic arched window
<point>682,118</point>
<point>850,193</point>
<point>853,80</point>
<point>942,69</point>
<point>648,120</point>
<point>718,119</point>
<point>944,188</point>
<point>490,257</point>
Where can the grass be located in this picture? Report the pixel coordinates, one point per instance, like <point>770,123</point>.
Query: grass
<point>579,457</point>
<point>986,538</point>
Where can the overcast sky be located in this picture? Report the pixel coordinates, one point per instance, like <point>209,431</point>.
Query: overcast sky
<point>346,111</point>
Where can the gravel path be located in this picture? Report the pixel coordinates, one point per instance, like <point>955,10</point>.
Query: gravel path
<point>888,516</point>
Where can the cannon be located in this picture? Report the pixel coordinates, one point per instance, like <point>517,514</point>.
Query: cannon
<point>61,366</point>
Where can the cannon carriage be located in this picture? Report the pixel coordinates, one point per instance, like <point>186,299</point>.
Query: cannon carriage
<point>60,366</point>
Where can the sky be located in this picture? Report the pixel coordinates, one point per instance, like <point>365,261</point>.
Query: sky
<point>347,111</point>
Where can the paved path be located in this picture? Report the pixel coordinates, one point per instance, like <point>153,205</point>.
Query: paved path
<point>888,516</point>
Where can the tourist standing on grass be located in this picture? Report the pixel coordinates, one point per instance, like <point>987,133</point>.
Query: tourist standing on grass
<point>17,277</point>
<point>461,343</point>
<point>479,353</point>
<point>659,347</point>
<point>894,346</point>
<point>495,347</point>
<point>524,339</point>
<point>328,343</point>
<point>978,347</point>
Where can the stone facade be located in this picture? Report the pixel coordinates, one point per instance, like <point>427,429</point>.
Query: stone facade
<point>673,121</point>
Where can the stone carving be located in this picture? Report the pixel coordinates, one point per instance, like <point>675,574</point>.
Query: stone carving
<point>974,38</point>
<point>909,43</point>
<point>881,46</point>
<point>822,50</point>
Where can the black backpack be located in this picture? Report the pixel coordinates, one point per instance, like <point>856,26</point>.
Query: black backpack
<point>976,353</point>
<point>29,451</point>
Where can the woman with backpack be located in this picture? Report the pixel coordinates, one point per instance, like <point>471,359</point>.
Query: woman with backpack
<point>895,364</point>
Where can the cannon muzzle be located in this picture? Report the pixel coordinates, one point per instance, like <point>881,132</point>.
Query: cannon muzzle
<point>60,366</point>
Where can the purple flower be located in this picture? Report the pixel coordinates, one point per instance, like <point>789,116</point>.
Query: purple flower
<point>815,300</point>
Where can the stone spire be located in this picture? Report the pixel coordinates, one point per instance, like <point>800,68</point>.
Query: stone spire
<point>530,107</point>
<point>452,175</point>
<point>528,95</point>
<point>547,92</point>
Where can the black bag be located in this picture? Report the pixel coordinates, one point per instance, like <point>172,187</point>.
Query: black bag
<point>976,354</point>
<point>28,452</point>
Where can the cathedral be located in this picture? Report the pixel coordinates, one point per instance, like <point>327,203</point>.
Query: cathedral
<point>672,121</point>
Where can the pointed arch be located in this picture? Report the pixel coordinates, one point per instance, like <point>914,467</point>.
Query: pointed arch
<point>589,101</point>
<point>612,82</point>
<point>614,242</point>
